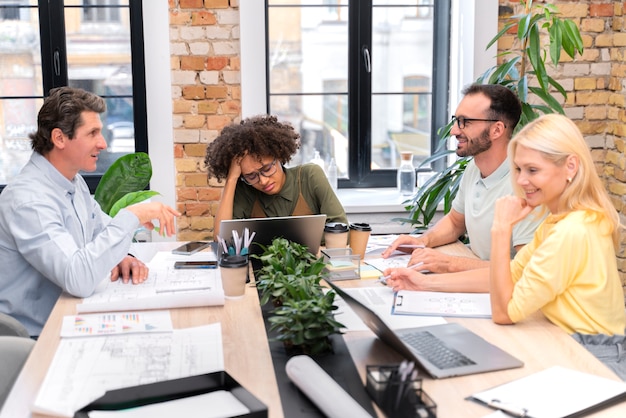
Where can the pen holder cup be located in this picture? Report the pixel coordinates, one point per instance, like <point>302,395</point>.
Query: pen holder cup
<point>341,264</point>
<point>396,398</point>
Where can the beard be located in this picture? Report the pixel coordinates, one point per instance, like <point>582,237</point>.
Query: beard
<point>475,146</point>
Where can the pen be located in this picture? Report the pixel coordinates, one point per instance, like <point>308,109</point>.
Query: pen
<point>412,246</point>
<point>384,279</point>
<point>182,289</point>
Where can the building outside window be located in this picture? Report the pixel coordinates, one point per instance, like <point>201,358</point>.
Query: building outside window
<point>91,44</point>
<point>358,80</point>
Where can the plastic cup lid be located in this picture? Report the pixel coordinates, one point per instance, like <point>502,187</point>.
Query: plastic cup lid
<point>361,227</point>
<point>231,261</point>
<point>336,227</point>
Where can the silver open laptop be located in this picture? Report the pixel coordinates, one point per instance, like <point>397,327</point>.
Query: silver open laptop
<point>444,350</point>
<point>306,230</point>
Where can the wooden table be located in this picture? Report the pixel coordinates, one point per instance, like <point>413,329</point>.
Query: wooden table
<point>247,358</point>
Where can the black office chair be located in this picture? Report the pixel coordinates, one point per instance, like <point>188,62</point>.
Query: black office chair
<point>15,347</point>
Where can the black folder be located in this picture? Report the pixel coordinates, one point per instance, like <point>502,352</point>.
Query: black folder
<point>169,390</point>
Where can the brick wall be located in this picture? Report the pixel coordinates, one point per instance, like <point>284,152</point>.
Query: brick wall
<point>206,94</point>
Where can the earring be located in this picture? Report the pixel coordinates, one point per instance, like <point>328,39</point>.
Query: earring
<point>569,179</point>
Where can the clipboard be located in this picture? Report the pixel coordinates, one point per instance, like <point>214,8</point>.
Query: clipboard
<point>169,390</point>
<point>467,305</point>
<point>555,392</point>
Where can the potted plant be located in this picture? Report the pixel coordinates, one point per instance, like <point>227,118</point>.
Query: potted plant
<point>523,71</point>
<point>302,314</point>
<point>124,182</point>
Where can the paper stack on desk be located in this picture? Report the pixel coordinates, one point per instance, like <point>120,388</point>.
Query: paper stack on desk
<point>165,288</point>
<point>84,368</point>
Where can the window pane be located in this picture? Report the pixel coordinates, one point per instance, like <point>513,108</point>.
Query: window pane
<point>400,122</point>
<point>305,50</point>
<point>20,85</point>
<point>99,60</point>
<point>402,54</point>
<point>329,136</point>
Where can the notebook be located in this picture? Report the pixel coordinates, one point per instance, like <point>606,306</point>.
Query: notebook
<point>443,350</point>
<point>306,230</point>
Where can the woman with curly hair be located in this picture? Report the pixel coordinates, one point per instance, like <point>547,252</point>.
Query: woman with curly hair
<point>250,156</point>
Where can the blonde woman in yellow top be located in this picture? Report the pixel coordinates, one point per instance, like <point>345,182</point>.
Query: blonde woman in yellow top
<point>569,270</point>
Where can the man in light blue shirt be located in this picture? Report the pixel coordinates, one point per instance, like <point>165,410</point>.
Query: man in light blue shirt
<point>53,235</point>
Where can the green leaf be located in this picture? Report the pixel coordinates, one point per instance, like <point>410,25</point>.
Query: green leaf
<point>504,30</point>
<point>556,36</point>
<point>523,25</point>
<point>129,173</point>
<point>130,199</point>
<point>572,35</point>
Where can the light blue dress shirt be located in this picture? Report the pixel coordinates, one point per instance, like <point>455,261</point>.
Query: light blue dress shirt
<point>54,237</point>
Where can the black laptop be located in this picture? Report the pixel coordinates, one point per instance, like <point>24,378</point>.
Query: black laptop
<point>444,350</point>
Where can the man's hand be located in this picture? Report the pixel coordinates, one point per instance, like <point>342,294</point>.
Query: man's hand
<point>130,267</point>
<point>148,212</point>
<point>404,243</point>
<point>433,260</point>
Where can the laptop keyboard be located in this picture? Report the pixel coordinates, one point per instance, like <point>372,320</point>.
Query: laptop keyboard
<point>435,351</point>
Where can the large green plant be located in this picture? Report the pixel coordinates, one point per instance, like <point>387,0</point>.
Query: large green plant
<point>124,182</point>
<point>542,34</point>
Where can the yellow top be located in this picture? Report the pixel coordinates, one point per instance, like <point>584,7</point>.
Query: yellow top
<point>569,272</point>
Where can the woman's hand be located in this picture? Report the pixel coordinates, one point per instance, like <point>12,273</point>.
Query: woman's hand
<point>510,210</point>
<point>234,172</point>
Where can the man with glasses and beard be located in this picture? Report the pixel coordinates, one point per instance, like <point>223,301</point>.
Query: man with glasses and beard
<point>484,122</point>
<point>250,156</point>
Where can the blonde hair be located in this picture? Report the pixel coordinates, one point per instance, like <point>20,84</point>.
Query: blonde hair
<point>556,137</point>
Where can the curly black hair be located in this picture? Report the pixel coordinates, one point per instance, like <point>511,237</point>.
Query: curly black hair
<point>259,136</point>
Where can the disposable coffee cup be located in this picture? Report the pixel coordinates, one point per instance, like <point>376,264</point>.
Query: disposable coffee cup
<point>336,235</point>
<point>234,272</point>
<point>359,235</point>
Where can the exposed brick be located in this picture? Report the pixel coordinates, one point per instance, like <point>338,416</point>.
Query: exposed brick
<point>208,107</point>
<point>210,194</point>
<point>216,92</point>
<point>190,4</point>
<point>217,63</point>
<point>193,92</point>
<point>216,4</point>
<point>194,121</point>
<point>192,63</point>
<point>196,209</point>
<point>203,18</point>
<point>218,122</point>
<point>195,150</point>
<point>196,180</point>
<point>601,10</point>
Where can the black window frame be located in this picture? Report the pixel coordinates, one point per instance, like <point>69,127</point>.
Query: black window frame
<point>360,174</point>
<point>55,68</point>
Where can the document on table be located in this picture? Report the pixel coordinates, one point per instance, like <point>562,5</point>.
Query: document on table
<point>223,404</point>
<point>380,300</point>
<point>84,368</point>
<point>393,261</point>
<point>166,287</point>
<point>110,323</point>
<point>470,305</point>
<point>556,392</point>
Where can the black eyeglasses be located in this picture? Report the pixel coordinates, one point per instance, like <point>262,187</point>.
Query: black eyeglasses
<point>461,120</point>
<point>266,171</point>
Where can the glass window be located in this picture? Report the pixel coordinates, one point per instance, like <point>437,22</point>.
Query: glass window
<point>94,52</point>
<point>356,78</point>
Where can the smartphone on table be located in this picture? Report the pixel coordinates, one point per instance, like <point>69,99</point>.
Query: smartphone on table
<point>191,247</point>
<point>195,264</point>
